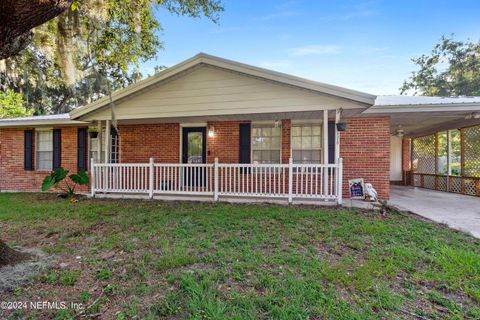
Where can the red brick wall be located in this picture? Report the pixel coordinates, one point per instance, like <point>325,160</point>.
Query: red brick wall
<point>365,149</point>
<point>12,174</point>
<point>225,144</point>
<point>138,143</point>
<point>406,160</point>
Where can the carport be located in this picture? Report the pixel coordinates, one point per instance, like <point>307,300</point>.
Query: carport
<point>458,211</point>
<point>435,142</point>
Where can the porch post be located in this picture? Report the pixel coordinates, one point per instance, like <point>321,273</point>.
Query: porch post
<point>337,135</point>
<point>92,177</point>
<point>107,141</point>
<point>215,180</point>
<point>150,188</point>
<point>340,182</point>
<point>290,180</point>
<point>99,141</point>
<point>325,150</point>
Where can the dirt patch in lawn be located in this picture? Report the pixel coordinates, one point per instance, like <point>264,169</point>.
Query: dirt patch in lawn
<point>9,256</point>
<point>28,264</point>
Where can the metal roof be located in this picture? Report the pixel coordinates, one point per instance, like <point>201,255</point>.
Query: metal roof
<point>41,117</point>
<point>422,100</point>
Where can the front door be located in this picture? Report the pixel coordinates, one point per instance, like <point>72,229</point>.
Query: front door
<point>194,151</point>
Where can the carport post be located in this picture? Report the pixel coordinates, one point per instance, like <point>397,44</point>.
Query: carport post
<point>449,158</point>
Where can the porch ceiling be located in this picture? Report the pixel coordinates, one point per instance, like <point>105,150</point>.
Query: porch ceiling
<point>418,124</point>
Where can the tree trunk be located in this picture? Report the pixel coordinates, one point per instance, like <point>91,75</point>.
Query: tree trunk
<point>18,17</point>
<point>8,256</point>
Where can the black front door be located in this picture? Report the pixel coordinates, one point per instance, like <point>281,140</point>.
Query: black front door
<point>194,150</point>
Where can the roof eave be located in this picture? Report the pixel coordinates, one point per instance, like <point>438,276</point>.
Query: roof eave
<point>41,123</point>
<point>459,107</point>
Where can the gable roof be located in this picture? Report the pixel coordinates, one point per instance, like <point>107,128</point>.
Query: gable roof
<point>202,58</point>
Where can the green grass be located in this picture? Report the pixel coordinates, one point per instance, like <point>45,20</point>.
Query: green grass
<point>151,259</point>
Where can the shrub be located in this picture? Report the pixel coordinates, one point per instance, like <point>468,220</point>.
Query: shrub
<point>59,175</point>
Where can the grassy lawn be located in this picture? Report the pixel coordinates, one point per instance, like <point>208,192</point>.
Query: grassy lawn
<point>151,259</point>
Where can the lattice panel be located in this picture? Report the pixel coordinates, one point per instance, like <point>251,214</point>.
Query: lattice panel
<point>442,183</point>
<point>471,151</point>
<point>429,182</point>
<point>423,154</point>
<point>456,184</point>
<point>469,186</point>
<point>416,180</point>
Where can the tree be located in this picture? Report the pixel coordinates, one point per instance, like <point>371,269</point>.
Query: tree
<point>451,69</point>
<point>12,105</point>
<point>18,17</point>
<point>67,60</point>
<point>92,48</point>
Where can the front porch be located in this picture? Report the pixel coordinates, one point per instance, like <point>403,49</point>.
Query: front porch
<point>219,181</point>
<point>240,157</point>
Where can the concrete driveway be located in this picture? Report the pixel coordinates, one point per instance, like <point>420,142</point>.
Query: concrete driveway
<point>457,211</point>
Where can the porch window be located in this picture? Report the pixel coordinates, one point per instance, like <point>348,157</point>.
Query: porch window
<point>114,150</point>
<point>266,143</point>
<point>44,150</point>
<point>306,143</point>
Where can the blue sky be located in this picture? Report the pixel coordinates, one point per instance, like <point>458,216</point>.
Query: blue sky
<point>363,45</point>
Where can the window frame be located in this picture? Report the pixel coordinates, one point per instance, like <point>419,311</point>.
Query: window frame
<point>311,123</point>
<point>265,124</point>
<point>38,131</point>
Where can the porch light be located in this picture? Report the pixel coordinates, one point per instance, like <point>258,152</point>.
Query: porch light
<point>341,126</point>
<point>211,132</point>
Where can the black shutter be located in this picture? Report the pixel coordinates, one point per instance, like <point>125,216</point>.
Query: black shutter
<point>331,142</point>
<point>28,150</point>
<point>57,148</point>
<point>82,149</point>
<point>245,134</point>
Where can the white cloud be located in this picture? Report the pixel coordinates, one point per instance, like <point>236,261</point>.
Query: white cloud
<point>314,50</point>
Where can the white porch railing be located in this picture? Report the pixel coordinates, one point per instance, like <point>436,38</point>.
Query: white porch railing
<point>289,181</point>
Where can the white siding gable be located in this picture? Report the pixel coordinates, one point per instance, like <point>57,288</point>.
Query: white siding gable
<point>207,90</point>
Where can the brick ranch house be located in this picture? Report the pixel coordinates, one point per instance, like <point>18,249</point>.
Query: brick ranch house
<point>214,127</point>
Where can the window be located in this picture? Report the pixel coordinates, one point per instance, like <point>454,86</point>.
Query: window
<point>44,150</point>
<point>306,143</point>
<point>266,144</point>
